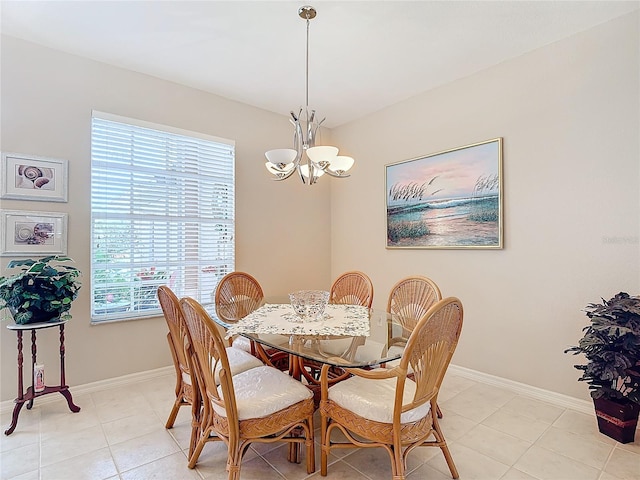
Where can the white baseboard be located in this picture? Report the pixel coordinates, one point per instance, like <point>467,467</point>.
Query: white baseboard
<point>553,398</point>
<point>124,380</point>
<point>548,396</point>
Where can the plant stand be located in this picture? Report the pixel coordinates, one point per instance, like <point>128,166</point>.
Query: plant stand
<point>31,394</point>
<point>616,419</point>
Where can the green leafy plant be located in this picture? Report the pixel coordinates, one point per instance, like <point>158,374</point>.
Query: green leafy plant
<point>611,344</point>
<point>41,291</point>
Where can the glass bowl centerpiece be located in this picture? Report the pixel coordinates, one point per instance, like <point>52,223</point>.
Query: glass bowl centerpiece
<point>309,304</point>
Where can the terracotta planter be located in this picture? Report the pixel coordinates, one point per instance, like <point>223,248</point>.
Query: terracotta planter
<point>617,419</point>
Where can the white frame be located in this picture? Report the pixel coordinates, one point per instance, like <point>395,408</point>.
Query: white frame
<point>54,191</point>
<point>11,220</point>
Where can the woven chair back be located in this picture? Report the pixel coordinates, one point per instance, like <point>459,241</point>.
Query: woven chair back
<point>210,355</point>
<point>430,348</point>
<point>237,295</point>
<point>411,298</point>
<point>177,328</point>
<point>352,288</point>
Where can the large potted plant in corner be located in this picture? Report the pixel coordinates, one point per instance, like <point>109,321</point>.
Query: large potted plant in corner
<point>611,343</point>
<point>41,290</point>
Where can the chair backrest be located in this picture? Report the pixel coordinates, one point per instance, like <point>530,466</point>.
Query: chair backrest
<point>352,288</point>
<point>410,299</point>
<point>210,354</point>
<point>237,295</point>
<point>177,336</point>
<point>429,351</point>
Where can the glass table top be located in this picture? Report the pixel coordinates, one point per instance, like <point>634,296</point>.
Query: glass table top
<point>346,336</point>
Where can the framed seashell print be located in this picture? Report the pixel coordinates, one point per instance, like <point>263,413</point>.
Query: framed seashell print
<point>33,233</point>
<point>29,177</point>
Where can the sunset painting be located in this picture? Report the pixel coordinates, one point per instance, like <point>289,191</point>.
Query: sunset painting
<point>451,199</point>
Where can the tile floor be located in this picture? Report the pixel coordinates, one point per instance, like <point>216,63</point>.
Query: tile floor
<point>492,433</point>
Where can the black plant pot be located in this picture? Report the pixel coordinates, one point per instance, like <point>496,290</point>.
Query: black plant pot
<point>38,316</point>
<point>43,289</point>
<point>617,419</point>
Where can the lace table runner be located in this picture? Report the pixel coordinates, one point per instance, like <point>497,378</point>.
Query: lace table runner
<point>351,320</point>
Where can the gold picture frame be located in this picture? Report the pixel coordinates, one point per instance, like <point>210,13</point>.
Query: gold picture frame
<point>449,199</point>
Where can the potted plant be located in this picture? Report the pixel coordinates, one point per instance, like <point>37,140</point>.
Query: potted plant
<point>41,291</point>
<point>611,343</point>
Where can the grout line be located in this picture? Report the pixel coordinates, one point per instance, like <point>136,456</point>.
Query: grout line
<point>606,462</point>
<point>113,460</point>
<point>554,398</point>
<point>498,384</point>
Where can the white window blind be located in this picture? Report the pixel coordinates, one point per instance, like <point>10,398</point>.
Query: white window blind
<point>162,213</point>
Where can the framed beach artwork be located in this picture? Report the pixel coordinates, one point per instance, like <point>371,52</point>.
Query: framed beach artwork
<point>33,233</point>
<point>29,177</point>
<point>450,199</point>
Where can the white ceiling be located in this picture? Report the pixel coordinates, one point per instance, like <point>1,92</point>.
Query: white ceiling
<point>364,55</point>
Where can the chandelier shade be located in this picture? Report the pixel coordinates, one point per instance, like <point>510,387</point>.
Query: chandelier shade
<point>341,164</point>
<point>281,156</point>
<point>322,154</point>
<point>304,171</point>
<point>309,160</point>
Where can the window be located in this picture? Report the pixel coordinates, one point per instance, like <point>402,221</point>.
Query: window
<point>162,212</point>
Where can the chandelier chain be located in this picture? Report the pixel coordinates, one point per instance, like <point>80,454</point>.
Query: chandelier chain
<point>307,72</point>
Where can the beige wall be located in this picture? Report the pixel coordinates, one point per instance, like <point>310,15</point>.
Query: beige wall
<point>282,229</point>
<point>568,114</point>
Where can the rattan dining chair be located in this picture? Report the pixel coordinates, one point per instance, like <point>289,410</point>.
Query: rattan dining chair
<point>259,405</point>
<point>384,407</point>
<point>349,288</point>
<point>187,391</point>
<point>177,339</point>
<point>352,288</point>
<point>236,296</point>
<point>409,299</point>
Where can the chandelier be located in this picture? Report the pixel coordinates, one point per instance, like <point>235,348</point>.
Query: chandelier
<point>309,160</point>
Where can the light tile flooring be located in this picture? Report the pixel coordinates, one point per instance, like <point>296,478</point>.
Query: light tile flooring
<point>492,433</point>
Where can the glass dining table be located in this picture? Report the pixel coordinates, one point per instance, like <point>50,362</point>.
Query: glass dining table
<point>345,336</point>
<point>348,336</point>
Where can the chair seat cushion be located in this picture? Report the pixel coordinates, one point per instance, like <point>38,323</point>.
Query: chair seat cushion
<point>242,343</point>
<point>239,361</point>
<point>264,390</point>
<point>374,399</point>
